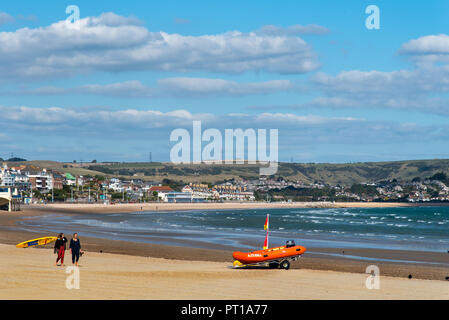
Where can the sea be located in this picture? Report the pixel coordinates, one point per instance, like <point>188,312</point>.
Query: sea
<point>401,228</point>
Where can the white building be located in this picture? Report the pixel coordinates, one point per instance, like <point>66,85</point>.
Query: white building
<point>42,181</point>
<point>116,185</point>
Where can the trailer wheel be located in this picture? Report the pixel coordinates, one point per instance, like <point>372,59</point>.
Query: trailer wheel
<point>273,265</point>
<point>285,265</point>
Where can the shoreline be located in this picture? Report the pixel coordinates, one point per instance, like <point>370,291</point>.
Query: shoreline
<point>329,259</point>
<point>163,206</point>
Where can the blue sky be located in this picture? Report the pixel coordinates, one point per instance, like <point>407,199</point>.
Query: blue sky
<point>115,88</point>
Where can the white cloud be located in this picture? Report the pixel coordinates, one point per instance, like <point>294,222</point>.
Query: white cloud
<point>53,118</point>
<point>57,117</point>
<point>124,134</point>
<point>432,44</point>
<point>181,87</point>
<point>125,124</point>
<point>114,43</point>
<point>422,80</point>
<point>423,88</point>
<point>427,50</point>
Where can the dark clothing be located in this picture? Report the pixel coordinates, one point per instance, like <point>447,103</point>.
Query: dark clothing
<point>75,245</point>
<point>75,256</point>
<point>76,248</point>
<point>60,249</point>
<point>60,242</point>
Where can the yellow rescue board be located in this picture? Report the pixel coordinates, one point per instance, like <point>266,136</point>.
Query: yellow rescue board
<point>36,242</point>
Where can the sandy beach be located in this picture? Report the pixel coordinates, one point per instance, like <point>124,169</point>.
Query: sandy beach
<point>30,274</point>
<point>133,207</point>
<point>129,270</point>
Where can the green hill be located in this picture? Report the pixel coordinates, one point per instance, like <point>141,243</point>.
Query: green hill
<point>343,174</point>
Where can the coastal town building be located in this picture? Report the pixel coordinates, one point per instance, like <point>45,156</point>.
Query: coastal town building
<point>13,177</point>
<point>179,197</point>
<point>41,181</point>
<point>161,192</point>
<point>41,185</point>
<point>70,180</point>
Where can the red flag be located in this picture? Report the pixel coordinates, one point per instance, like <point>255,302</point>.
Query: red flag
<point>265,243</point>
<point>266,227</point>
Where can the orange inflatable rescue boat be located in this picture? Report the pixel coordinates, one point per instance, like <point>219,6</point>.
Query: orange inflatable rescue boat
<point>278,257</point>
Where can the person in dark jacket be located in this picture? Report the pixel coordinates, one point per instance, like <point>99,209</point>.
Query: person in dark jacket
<point>60,246</point>
<point>75,248</point>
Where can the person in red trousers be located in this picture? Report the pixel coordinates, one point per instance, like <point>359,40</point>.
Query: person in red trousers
<point>60,245</point>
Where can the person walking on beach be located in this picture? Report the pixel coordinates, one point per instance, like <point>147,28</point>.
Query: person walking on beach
<point>75,248</point>
<point>60,248</point>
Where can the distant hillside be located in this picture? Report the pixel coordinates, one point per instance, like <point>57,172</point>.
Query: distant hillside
<point>343,174</point>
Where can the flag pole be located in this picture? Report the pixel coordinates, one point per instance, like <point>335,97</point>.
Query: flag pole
<point>266,227</point>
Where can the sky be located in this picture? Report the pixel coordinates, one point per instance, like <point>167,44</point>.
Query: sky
<point>115,84</point>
